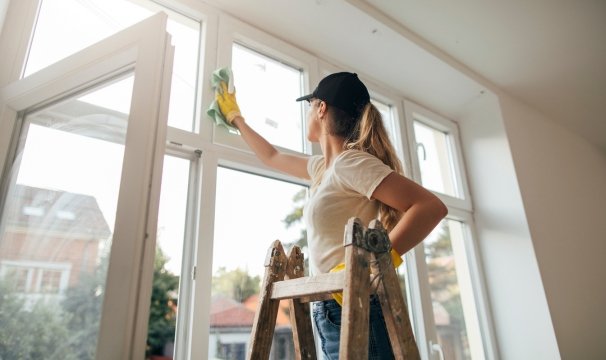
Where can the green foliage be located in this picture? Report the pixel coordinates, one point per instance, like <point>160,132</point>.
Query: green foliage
<point>295,217</point>
<point>83,303</point>
<point>443,280</point>
<point>236,284</point>
<point>35,333</point>
<point>162,315</point>
<point>69,330</point>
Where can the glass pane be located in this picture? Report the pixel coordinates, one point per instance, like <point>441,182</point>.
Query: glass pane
<point>388,120</point>
<point>246,223</point>
<point>267,90</point>
<point>404,280</point>
<point>57,36</point>
<point>454,308</point>
<point>435,160</point>
<point>56,226</point>
<point>169,253</point>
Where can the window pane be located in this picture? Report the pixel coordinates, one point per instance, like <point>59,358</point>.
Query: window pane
<point>435,160</point>
<point>454,308</point>
<point>267,90</point>
<point>56,226</point>
<point>404,280</point>
<point>388,120</point>
<point>67,26</point>
<point>169,253</point>
<point>246,223</point>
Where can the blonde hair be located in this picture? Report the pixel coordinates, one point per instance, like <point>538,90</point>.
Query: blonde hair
<point>369,135</point>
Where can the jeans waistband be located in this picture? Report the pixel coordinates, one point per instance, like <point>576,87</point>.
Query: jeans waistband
<point>331,304</point>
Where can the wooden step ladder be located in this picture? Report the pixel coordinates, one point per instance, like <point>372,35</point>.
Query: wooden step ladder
<point>367,251</point>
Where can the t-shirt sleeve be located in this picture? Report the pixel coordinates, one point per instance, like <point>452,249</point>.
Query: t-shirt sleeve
<point>314,166</point>
<point>361,171</point>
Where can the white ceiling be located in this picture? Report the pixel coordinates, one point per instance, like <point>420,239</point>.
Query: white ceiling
<point>549,54</point>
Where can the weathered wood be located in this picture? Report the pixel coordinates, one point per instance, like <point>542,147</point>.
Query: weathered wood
<point>356,296</point>
<point>393,306</point>
<point>300,319</point>
<point>264,324</point>
<point>315,297</point>
<point>308,286</point>
<point>367,257</point>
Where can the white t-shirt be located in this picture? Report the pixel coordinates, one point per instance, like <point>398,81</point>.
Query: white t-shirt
<point>338,193</point>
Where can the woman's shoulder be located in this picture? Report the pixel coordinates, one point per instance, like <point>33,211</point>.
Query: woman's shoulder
<point>353,156</point>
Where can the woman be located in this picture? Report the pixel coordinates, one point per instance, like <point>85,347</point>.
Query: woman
<point>357,175</point>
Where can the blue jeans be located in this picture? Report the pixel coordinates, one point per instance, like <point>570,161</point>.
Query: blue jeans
<point>327,316</point>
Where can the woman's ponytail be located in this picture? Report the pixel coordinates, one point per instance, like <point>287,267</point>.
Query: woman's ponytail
<point>370,136</point>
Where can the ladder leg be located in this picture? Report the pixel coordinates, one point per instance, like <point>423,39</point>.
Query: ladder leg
<point>394,309</point>
<point>356,296</point>
<point>267,311</point>
<point>300,318</point>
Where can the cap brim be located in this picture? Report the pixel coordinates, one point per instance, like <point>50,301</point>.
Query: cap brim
<point>306,97</point>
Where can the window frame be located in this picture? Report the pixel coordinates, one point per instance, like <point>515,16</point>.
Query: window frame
<point>414,112</point>
<point>234,31</point>
<point>38,268</point>
<point>458,210</point>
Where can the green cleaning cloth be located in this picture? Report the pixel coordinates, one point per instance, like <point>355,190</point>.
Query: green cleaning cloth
<point>221,75</point>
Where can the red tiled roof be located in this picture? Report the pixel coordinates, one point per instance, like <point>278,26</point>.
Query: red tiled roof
<point>283,318</point>
<point>226,312</point>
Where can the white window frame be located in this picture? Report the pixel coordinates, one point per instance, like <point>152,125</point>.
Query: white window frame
<point>143,49</point>
<point>478,282</point>
<point>414,112</point>
<point>458,210</point>
<point>39,267</point>
<point>234,31</point>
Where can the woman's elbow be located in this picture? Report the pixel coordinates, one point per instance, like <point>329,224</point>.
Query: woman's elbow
<point>439,209</point>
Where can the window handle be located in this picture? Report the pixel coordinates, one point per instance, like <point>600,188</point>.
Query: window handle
<point>422,147</point>
<point>435,347</point>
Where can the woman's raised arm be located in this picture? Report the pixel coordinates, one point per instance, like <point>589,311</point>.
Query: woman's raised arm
<point>291,164</point>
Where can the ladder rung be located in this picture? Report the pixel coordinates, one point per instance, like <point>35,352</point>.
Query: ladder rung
<point>310,285</point>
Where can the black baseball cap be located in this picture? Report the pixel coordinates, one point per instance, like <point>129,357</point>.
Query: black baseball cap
<point>342,90</point>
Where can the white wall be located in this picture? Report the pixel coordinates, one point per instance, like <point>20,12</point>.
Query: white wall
<point>519,308</point>
<point>562,179</point>
<point>539,194</point>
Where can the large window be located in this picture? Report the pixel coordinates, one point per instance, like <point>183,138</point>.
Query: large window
<point>252,211</point>
<point>220,208</point>
<point>58,36</point>
<point>453,292</point>
<point>57,225</point>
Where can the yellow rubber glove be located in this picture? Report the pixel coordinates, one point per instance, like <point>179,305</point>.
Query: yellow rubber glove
<point>227,103</point>
<point>395,259</point>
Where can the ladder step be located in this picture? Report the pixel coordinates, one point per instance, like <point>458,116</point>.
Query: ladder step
<point>308,286</point>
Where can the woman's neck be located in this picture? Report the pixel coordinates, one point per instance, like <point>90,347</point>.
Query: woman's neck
<point>331,146</point>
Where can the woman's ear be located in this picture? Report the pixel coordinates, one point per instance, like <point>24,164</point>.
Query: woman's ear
<point>322,109</point>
